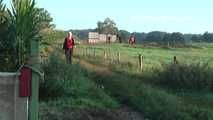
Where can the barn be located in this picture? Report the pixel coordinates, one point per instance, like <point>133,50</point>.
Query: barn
<point>95,37</point>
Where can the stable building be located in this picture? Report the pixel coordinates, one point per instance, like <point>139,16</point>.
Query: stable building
<point>95,37</point>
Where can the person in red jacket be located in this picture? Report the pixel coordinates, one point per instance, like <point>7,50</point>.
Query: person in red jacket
<point>68,47</point>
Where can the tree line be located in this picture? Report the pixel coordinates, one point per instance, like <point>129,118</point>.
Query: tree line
<point>108,26</point>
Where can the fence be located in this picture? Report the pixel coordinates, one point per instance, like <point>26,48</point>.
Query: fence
<point>137,62</point>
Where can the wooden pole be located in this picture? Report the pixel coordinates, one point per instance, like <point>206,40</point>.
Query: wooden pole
<point>105,55</point>
<point>175,61</point>
<point>86,51</point>
<point>140,62</point>
<point>94,52</point>
<point>110,55</point>
<point>90,51</point>
<point>168,45</point>
<point>119,56</point>
<point>82,51</point>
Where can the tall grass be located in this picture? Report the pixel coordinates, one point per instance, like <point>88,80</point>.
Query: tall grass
<point>157,102</point>
<point>186,76</point>
<point>67,85</point>
<point>154,103</point>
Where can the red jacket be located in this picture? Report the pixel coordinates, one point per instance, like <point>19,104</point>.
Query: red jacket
<point>68,43</point>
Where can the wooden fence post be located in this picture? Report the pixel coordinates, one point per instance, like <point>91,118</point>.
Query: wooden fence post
<point>86,52</point>
<point>94,52</point>
<point>82,51</point>
<point>175,61</point>
<point>168,45</point>
<point>105,55</point>
<point>119,56</point>
<point>90,52</point>
<point>140,62</point>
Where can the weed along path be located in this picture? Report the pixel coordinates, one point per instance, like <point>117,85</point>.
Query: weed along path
<point>95,68</point>
<point>112,89</point>
<point>103,87</point>
<point>79,92</point>
<point>126,112</point>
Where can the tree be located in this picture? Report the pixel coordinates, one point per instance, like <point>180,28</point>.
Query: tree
<point>82,34</point>
<point>167,38</point>
<point>124,35</point>
<point>3,23</point>
<point>107,27</point>
<point>19,26</point>
<point>196,38</point>
<point>155,36</point>
<point>44,16</point>
<point>207,37</point>
<point>7,42</point>
<point>140,37</point>
<point>177,38</point>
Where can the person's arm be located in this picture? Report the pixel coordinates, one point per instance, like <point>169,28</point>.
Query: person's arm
<point>73,41</point>
<point>64,45</point>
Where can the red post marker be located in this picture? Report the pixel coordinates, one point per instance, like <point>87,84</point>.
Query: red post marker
<point>25,82</point>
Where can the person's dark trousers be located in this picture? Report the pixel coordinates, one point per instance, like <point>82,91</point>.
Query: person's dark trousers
<point>68,54</point>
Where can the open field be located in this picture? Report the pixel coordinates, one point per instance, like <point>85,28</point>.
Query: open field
<point>124,84</point>
<point>153,57</point>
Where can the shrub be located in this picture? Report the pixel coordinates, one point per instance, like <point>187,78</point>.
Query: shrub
<point>154,103</point>
<point>67,85</point>
<point>186,76</point>
<point>197,113</point>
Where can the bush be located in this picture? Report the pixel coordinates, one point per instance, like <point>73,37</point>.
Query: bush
<point>197,113</point>
<point>154,103</point>
<point>67,85</point>
<point>186,76</point>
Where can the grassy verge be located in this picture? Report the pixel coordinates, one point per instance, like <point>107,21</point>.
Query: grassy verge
<point>145,91</point>
<point>156,101</point>
<point>68,86</point>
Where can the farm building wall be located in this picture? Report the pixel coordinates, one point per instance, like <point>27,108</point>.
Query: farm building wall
<point>95,37</point>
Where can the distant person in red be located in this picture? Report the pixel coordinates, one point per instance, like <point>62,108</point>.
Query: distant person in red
<point>132,40</point>
<point>68,47</point>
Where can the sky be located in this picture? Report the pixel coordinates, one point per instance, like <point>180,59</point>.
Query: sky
<point>186,16</point>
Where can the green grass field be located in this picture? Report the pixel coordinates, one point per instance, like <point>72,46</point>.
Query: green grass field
<point>153,57</point>
<point>125,84</point>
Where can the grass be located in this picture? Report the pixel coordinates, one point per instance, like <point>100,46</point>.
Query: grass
<point>136,90</point>
<point>155,103</point>
<point>125,84</point>
<point>153,57</point>
<point>68,85</point>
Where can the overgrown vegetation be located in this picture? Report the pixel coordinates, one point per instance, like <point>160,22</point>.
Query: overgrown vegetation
<point>149,93</point>
<point>74,86</point>
<point>154,102</point>
<point>19,26</point>
<point>186,76</point>
<point>68,86</point>
<point>7,41</point>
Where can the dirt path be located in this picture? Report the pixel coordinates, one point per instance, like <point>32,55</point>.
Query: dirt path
<point>125,112</point>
